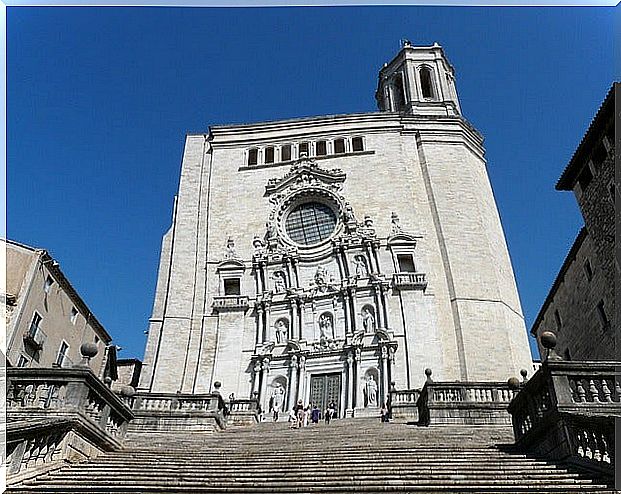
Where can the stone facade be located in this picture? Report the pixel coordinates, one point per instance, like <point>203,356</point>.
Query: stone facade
<point>580,307</point>
<point>322,258</point>
<point>47,320</point>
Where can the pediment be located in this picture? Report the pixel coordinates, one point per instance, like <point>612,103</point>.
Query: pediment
<point>305,172</point>
<point>230,265</point>
<point>402,238</point>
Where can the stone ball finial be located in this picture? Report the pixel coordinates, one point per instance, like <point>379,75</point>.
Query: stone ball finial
<point>548,339</point>
<point>217,384</point>
<point>514,383</point>
<point>524,374</point>
<point>128,391</point>
<point>88,350</point>
<point>428,374</point>
<point>108,381</point>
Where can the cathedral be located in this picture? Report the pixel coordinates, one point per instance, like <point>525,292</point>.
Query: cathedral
<point>330,258</point>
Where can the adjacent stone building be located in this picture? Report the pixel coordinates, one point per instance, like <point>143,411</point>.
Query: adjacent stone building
<point>580,307</point>
<point>47,320</point>
<point>320,259</point>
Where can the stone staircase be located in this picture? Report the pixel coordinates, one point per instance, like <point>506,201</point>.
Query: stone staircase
<point>355,455</point>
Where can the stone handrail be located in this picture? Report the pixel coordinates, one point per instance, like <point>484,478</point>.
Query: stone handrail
<point>38,398</point>
<point>409,280</point>
<point>243,411</point>
<point>566,412</point>
<point>402,404</point>
<point>226,302</point>
<point>454,402</point>
<point>241,405</point>
<point>174,402</point>
<point>174,412</point>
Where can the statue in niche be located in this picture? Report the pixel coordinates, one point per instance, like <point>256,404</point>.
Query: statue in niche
<point>370,391</point>
<point>282,332</point>
<point>395,226</point>
<point>277,401</point>
<point>361,267</point>
<point>230,249</point>
<point>326,328</point>
<point>368,320</point>
<point>280,284</point>
<point>322,279</point>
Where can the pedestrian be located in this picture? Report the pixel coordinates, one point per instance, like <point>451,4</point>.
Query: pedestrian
<point>384,413</point>
<point>306,415</point>
<point>299,412</point>
<point>292,419</point>
<point>315,413</point>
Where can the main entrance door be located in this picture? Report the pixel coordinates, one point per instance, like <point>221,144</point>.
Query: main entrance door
<point>325,388</point>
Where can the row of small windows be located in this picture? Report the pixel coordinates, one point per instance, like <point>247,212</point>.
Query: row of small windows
<point>601,314</point>
<point>316,148</point>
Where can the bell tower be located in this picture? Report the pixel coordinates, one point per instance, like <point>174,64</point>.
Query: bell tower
<point>418,81</point>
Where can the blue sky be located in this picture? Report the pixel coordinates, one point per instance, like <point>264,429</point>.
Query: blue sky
<point>99,101</point>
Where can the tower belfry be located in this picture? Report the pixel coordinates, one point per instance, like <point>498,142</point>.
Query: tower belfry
<point>419,80</point>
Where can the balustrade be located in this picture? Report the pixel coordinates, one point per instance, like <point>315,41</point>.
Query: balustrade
<point>566,412</point>
<point>405,281</point>
<point>231,302</point>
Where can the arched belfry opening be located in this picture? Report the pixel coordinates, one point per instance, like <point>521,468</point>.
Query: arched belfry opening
<point>419,80</point>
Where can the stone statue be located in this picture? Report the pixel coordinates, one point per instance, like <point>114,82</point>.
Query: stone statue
<point>321,277</point>
<point>361,267</point>
<point>230,249</point>
<point>370,389</point>
<point>271,230</point>
<point>279,282</point>
<point>368,320</point>
<point>349,213</point>
<point>279,395</point>
<point>281,332</point>
<point>258,245</point>
<point>395,226</point>
<point>325,326</point>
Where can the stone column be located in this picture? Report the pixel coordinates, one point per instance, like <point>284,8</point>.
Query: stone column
<point>256,378</point>
<point>352,303</point>
<point>261,328</point>
<point>383,302</point>
<point>302,379</point>
<point>350,381</point>
<point>343,405</point>
<point>293,329</point>
<point>379,313</point>
<point>384,363</point>
<point>348,328</point>
<point>293,374</point>
<point>357,381</point>
<point>265,370</point>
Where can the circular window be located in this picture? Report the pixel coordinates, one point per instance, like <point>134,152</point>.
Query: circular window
<point>310,223</point>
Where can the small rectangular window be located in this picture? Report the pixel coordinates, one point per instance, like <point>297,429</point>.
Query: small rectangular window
<point>285,153</point>
<point>22,362</point>
<point>585,178</point>
<point>62,353</point>
<point>49,281</point>
<point>601,312</point>
<point>567,354</point>
<point>34,325</point>
<point>356,144</point>
<point>74,315</point>
<point>269,155</point>
<point>253,157</point>
<point>557,319</point>
<point>320,148</point>
<point>339,146</point>
<point>587,270</point>
<point>406,263</point>
<point>303,149</point>
<point>232,287</point>
<point>96,339</point>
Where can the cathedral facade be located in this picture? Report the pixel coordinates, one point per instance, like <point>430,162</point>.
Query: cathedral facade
<point>322,259</point>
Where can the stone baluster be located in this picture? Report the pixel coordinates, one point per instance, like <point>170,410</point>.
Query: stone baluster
<point>606,391</point>
<point>350,381</point>
<point>293,376</point>
<point>594,391</point>
<point>581,392</point>
<point>302,380</point>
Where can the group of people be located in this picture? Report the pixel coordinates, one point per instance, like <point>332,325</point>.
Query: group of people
<point>301,416</point>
